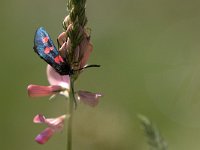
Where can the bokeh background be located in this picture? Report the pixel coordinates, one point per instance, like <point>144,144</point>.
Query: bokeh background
<point>150,56</point>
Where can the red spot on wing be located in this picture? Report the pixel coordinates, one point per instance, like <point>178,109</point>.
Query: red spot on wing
<point>45,39</point>
<point>48,49</point>
<point>58,59</point>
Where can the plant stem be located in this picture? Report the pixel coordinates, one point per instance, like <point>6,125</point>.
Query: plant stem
<point>77,16</point>
<point>70,114</point>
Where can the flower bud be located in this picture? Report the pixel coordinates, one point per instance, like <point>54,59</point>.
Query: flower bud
<point>62,38</point>
<point>66,22</point>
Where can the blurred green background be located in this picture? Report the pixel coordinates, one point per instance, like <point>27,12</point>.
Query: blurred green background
<point>150,56</point>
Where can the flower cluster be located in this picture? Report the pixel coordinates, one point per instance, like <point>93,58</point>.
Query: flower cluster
<point>54,125</point>
<point>65,65</point>
<point>60,84</point>
<point>75,45</point>
<point>81,52</point>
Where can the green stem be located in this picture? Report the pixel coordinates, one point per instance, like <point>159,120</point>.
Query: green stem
<point>70,114</point>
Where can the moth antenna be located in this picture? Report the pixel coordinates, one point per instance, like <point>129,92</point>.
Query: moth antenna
<point>87,66</point>
<point>93,65</point>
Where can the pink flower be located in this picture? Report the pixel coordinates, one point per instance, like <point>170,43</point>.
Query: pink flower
<point>86,97</point>
<point>58,85</point>
<point>54,125</point>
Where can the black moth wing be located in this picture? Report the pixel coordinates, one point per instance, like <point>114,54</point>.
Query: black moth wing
<point>44,47</point>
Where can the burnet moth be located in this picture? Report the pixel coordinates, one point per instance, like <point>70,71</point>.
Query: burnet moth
<point>44,47</point>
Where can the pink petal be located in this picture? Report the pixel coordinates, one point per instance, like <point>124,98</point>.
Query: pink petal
<point>39,119</point>
<point>86,48</point>
<point>37,90</point>
<point>64,44</point>
<point>56,123</point>
<point>55,78</point>
<point>89,98</point>
<point>44,136</point>
<point>64,49</point>
<point>62,38</point>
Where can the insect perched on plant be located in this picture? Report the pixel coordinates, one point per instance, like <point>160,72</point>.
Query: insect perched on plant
<point>44,47</point>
